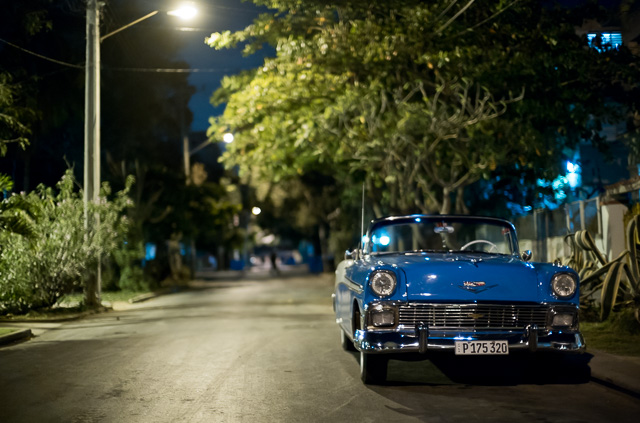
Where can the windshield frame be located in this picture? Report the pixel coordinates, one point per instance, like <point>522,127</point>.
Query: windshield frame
<point>418,218</point>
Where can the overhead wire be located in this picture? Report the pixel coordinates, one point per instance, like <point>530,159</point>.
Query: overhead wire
<point>170,70</point>
<point>159,70</point>
<point>41,56</point>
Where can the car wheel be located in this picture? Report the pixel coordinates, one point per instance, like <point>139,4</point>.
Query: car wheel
<point>373,368</point>
<point>347,344</point>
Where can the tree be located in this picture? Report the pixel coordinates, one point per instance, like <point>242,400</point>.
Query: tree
<point>12,130</point>
<point>42,48</point>
<point>418,99</point>
<point>376,109</point>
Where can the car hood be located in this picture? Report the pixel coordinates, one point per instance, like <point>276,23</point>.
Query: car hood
<point>467,277</point>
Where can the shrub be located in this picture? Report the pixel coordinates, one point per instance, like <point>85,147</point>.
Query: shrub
<point>61,252</point>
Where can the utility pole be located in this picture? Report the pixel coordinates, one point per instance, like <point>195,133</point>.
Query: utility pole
<point>186,150</point>
<point>92,135</point>
<point>92,123</point>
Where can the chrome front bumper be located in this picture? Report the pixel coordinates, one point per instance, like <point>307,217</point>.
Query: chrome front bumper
<point>421,339</point>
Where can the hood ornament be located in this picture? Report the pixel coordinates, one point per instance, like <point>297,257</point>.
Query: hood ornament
<point>471,260</point>
<point>476,287</point>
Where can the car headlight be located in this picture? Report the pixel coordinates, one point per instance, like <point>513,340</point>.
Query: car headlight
<point>383,283</point>
<point>563,285</point>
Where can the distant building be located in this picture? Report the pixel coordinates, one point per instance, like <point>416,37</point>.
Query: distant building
<point>596,170</point>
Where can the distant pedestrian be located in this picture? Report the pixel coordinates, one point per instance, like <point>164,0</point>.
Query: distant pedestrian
<point>274,265</point>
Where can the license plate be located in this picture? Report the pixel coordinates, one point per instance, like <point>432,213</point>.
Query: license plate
<point>482,347</point>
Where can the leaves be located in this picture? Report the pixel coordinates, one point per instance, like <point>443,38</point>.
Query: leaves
<point>617,281</point>
<point>46,249</point>
<point>421,99</point>
<point>12,130</point>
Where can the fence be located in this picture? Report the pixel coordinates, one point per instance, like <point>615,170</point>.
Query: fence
<point>543,231</point>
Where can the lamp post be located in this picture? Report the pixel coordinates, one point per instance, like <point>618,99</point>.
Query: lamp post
<point>187,153</point>
<point>92,118</point>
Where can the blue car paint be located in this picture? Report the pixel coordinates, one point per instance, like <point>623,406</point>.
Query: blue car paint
<point>451,277</point>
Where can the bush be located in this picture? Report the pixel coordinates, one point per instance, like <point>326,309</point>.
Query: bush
<point>59,254</point>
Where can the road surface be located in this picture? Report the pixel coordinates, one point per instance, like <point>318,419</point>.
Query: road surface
<point>268,350</point>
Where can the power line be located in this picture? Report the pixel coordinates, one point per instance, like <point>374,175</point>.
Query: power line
<point>171,70</point>
<point>156,70</point>
<point>59,62</point>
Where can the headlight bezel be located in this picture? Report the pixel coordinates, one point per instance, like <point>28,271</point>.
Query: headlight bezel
<point>377,276</point>
<point>559,288</point>
<point>563,310</point>
<point>379,309</point>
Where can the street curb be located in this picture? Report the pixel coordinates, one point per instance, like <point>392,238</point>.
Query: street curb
<point>615,384</point>
<point>53,319</point>
<point>143,297</point>
<point>156,294</point>
<point>15,336</point>
<point>616,372</point>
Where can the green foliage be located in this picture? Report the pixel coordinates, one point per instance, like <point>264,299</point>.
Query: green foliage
<point>354,89</point>
<point>37,270</point>
<point>418,99</point>
<point>124,272</point>
<point>12,130</point>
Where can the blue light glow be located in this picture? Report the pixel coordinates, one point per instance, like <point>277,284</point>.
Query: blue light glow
<point>608,40</point>
<point>573,177</point>
<point>150,251</point>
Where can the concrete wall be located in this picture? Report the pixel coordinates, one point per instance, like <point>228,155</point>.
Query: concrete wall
<point>610,240</point>
<point>613,231</point>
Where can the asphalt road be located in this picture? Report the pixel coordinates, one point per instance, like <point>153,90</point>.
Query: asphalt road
<point>269,351</point>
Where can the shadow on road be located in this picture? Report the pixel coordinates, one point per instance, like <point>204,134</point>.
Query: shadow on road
<point>515,369</point>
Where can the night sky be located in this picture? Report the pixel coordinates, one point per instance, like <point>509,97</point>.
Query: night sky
<point>215,16</point>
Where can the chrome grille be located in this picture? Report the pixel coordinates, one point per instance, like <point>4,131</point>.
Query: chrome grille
<point>473,316</point>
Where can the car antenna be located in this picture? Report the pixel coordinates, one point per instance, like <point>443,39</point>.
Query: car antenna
<point>362,220</point>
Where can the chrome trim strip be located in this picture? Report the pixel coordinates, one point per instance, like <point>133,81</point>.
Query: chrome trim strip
<point>390,343</point>
<point>353,286</point>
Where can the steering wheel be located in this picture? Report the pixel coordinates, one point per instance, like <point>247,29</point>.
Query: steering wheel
<point>481,241</point>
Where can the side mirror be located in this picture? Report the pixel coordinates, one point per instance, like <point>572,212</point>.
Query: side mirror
<point>351,255</point>
<point>526,255</point>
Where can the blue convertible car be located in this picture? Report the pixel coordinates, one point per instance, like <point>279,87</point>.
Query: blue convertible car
<point>424,283</point>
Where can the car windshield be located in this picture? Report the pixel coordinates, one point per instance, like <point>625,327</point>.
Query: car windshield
<point>422,234</point>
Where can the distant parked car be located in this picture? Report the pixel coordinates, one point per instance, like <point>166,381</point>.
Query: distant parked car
<point>426,283</point>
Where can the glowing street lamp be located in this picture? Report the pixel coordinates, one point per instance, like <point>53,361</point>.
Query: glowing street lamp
<point>186,11</point>
<point>228,138</point>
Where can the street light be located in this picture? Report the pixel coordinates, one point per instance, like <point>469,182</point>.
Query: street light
<point>186,11</point>
<point>92,115</point>
<point>228,138</point>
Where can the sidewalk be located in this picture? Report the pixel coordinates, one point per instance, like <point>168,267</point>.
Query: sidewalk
<point>618,372</point>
